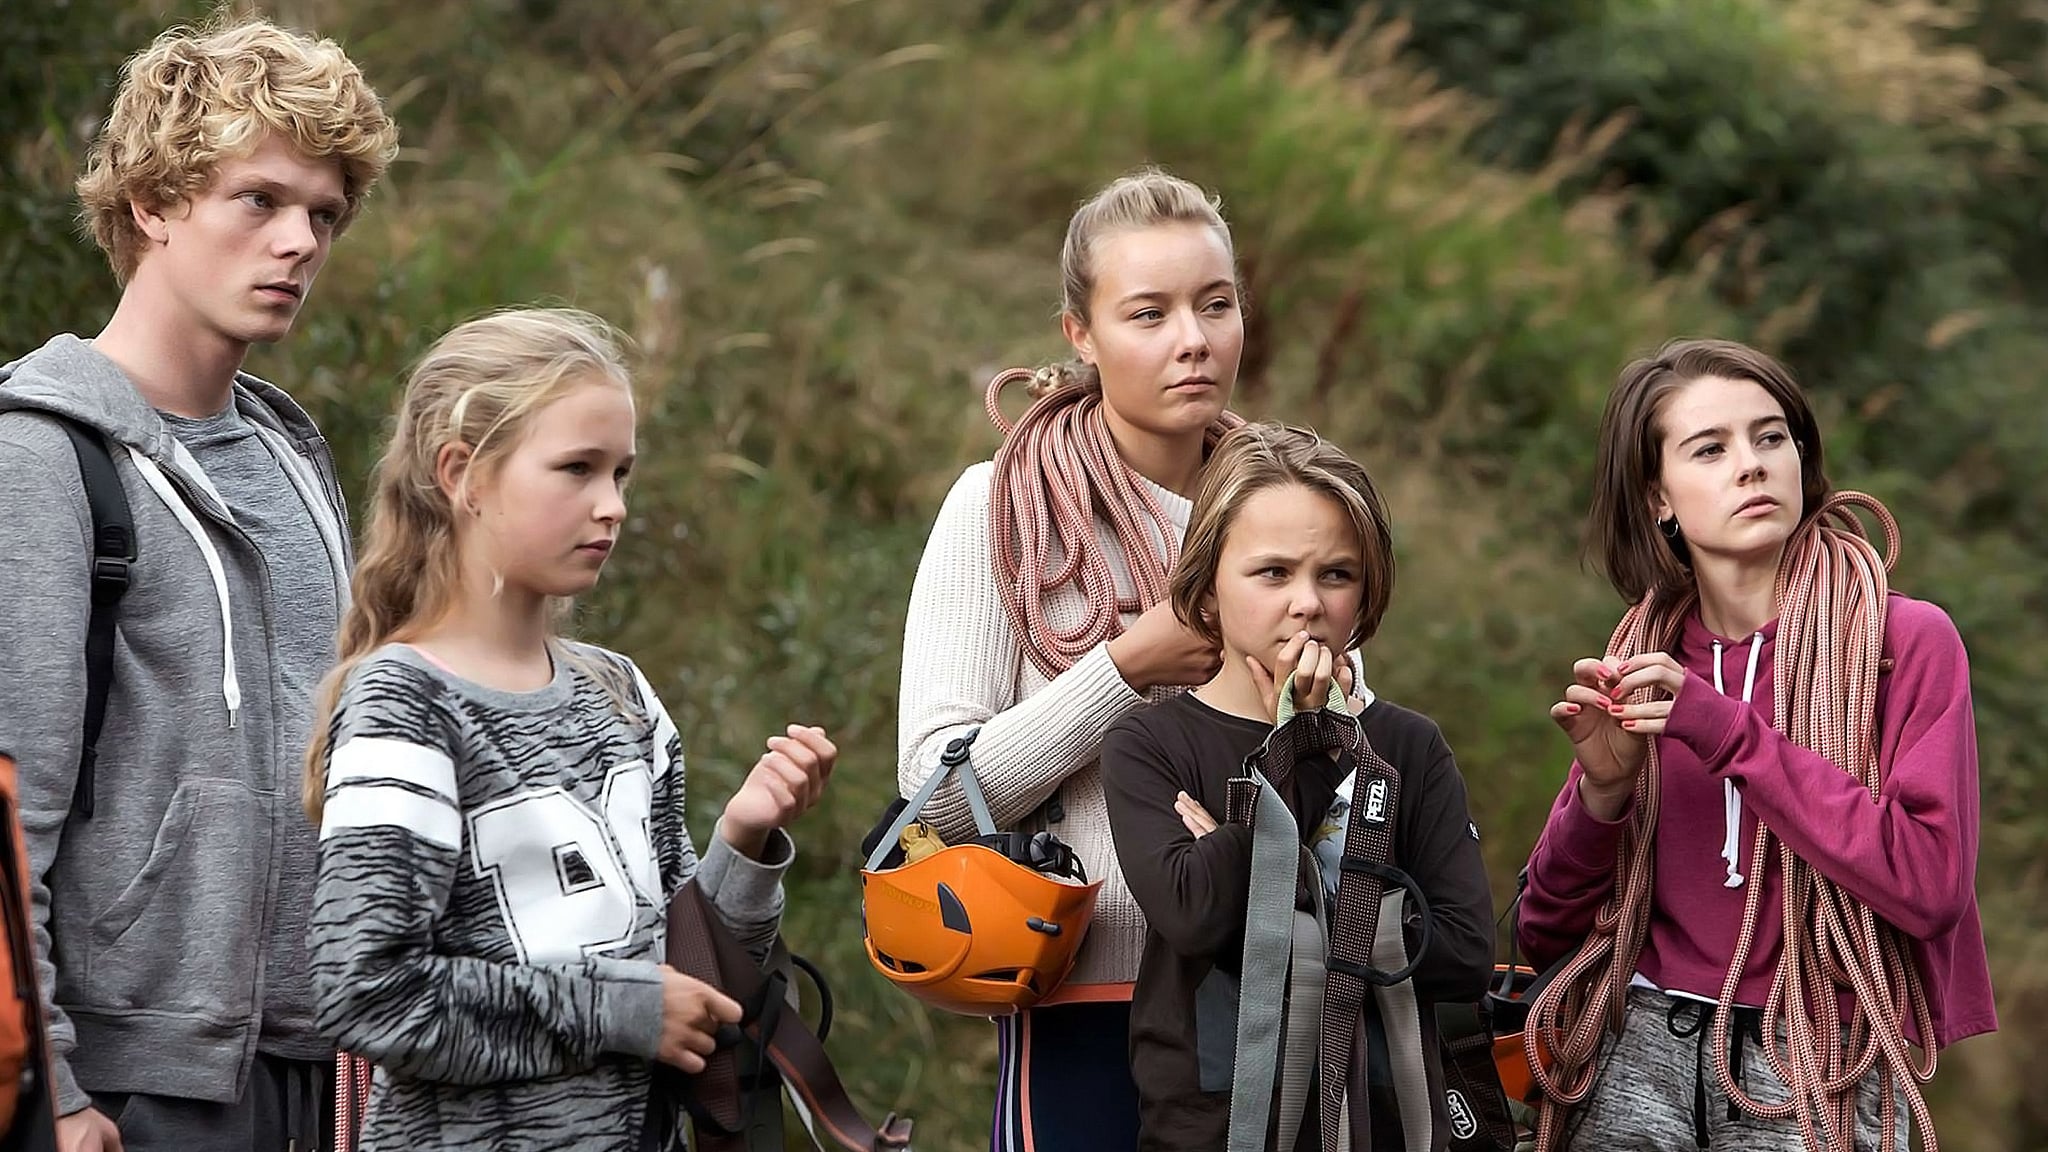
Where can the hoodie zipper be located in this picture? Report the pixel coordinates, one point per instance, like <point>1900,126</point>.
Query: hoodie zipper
<point>318,454</point>
<point>203,504</point>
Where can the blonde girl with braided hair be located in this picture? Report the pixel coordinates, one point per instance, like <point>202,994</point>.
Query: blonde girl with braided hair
<point>1760,873</point>
<point>1040,616</point>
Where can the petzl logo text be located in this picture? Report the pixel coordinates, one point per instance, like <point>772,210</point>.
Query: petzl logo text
<point>1464,1125</point>
<point>1376,803</point>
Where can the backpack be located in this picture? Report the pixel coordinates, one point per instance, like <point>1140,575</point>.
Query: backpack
<point>27,1111</point>
<point>1488,1037</point>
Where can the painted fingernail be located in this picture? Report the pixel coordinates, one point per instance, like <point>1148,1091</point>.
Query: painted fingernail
<point>1628,723</point>
<point>1603,701</point>
<point>1571,709</point>
<point>1615,708</point>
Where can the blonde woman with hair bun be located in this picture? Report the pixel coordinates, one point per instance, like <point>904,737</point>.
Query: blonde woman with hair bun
<point>1039,613</point>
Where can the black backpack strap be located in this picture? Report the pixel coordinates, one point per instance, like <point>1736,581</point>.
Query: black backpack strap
<point>113,550</point>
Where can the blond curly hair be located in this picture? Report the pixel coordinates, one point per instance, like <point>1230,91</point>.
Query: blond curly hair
<point>197,97</point>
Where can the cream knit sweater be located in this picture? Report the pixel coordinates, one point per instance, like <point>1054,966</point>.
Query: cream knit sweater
<point>965,666</point>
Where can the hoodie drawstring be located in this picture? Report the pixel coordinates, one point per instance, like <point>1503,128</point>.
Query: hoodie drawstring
<point>1747,1022</point>
<point>1731,797</point>
<point>230,686</point>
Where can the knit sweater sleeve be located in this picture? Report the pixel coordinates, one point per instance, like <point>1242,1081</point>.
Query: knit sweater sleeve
<point>961,659</point>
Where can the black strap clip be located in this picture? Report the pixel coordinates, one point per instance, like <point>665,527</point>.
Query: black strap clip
<point>1387,874</point>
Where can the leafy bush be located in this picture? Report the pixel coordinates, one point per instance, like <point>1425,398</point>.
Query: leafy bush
<point>826,225</point>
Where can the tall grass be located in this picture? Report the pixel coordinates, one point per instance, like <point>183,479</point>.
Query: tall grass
<point>827,222</point>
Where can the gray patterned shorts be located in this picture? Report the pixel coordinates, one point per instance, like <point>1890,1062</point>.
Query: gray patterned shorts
<point>1657,1090</point>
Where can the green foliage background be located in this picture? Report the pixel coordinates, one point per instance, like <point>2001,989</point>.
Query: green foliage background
<point>826,222</point>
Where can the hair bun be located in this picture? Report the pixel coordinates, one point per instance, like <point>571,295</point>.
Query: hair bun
<point>1047,379</point>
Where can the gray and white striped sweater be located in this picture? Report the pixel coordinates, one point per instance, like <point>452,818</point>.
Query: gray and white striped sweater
<point>489,916</point>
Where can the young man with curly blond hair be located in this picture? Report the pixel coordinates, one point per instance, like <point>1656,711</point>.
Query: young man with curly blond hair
<point>171,872</point>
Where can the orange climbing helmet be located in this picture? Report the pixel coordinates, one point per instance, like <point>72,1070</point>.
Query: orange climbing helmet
<point>985,928</point>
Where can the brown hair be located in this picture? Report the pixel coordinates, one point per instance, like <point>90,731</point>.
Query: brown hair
<point>1266,455</point>
<point>196,97</point>
<point>480,385</point>
<point>1622,535</point>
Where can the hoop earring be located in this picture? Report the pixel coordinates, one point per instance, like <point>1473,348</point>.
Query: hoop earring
<point>1669,528</point>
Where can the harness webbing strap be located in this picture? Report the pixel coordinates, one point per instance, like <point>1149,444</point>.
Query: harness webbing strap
<point>1401,1016</point>
<point>1365,931</point>
<point>1306,979</point>
<point>1268,942</point>
<point>1275,1013</point>
<point>1367,949</point>
<point>700,945</point>
<point>956,758</point>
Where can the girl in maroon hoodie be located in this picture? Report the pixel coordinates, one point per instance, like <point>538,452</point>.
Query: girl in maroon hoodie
<point>1770,825</point>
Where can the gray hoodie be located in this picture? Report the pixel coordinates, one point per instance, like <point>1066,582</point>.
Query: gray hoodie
<point>150,918</point>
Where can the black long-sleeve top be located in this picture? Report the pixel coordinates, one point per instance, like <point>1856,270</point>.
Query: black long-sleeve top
<point>1193,892</point>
